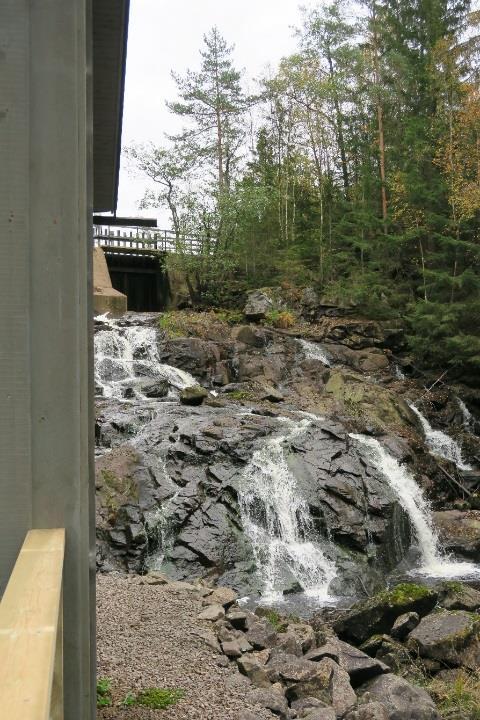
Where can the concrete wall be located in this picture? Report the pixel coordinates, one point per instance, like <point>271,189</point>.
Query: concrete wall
<point>46,418</point>
<point>105,297</point>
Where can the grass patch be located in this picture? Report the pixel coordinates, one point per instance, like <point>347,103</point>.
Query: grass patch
<point>240,395</point>
<point>231,317</point>
<point>155,698</point>
<point>104,692</point>
<point>458,699</point>
<point>171,323</point>
<point>275,619</point>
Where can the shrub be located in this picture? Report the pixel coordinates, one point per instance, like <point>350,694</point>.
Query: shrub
<point>280,319</point>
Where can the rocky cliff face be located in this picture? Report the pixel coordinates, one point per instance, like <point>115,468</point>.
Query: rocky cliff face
<point>169,475</point>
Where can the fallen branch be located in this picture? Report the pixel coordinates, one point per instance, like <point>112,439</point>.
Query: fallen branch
<point>439,379</point>
<point>455,482</point>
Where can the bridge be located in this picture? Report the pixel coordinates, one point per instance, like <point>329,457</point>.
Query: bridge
<point>141,240</point>
<point>135,257</point>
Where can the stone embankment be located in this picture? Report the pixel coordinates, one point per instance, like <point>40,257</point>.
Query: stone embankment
<point>371,662</point>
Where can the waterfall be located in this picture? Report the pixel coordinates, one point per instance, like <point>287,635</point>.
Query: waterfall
<point>126,356</point>
<point>466,414</point>
<point>434,562</point>
<point>440,443</point>
<point>399,374</point>
<point>314,351</point>
<point>278,523</point>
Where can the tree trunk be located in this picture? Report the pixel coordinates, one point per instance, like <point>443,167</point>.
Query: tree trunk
<point>339,126</point>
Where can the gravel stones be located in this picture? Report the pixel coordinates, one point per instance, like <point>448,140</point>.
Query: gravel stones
<point>145,639</point>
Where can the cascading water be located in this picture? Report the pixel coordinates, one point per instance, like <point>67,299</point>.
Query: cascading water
<point>314,351</point>
<point>434,562</point>
<point>466,414</point>
<point>440,443</point>
<point>278,523</point>
<point>126,356</point>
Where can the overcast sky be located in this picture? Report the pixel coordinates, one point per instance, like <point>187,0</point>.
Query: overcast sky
<point>165,36</point>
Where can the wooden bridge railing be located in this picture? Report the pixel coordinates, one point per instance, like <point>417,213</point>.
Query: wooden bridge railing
<point>140,238</point>
<point>31,631</point>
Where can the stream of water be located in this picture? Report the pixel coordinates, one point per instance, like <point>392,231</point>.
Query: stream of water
<point>440,443</point>
<point>314,351</point>
<point>435,563</point>
<point>127,356</point>
<point>277,521</point>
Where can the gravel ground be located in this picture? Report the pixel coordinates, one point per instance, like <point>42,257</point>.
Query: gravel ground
<point>146,638</point>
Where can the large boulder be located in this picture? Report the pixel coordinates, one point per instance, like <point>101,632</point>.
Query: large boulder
<point>401,700</point>
<point>359,666</point>
<point>455,595</point>
<point>327,682</point>
<point>459,531</point>
<point>453,637</point>
<point>378,614</point>
<point>258,305</point>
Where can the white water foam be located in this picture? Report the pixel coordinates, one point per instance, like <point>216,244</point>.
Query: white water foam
<point>440,443</point>
<point>314,351</point>
<point>278,523</point>
<point>466,414</point>
<point>126,356</point>
<point>434,561</point>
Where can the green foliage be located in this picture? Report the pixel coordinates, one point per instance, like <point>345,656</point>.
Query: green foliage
<point>104,695</point>
<point>155,698</point>
<point>171,324</point>
<point>363,178</point>
<point>231,317</point>
<point>405,593</point>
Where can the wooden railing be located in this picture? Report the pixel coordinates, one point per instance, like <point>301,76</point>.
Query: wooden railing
<point>31,631</point>
<point>140,238</point>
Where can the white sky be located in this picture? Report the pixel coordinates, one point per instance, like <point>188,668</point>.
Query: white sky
<point>165,36</point>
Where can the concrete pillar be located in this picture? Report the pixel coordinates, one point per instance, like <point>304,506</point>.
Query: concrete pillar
<point>46,419</point>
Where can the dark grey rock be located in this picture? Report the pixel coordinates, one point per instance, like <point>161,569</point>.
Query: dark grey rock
<point>305,705</point>
<point>450,636</point>
<point>402,700</point>
<point>404,624</point>
<point>359,666</point>
<point>377,614</point>
<point>258,305</point>
<point>155,389</point>
<point>261,635</point>
<point>369,711</point>
<point>270,699</point>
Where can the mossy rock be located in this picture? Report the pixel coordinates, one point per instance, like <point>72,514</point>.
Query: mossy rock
<point>371,404</point>
<point>454,595</point>
<point>194,395</point>
<point>450,636</point>
<point>376,615</point>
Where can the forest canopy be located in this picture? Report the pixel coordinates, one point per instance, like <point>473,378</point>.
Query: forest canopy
<point>354,167</point>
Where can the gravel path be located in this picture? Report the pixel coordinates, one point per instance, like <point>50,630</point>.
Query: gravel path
<point>146,638</point>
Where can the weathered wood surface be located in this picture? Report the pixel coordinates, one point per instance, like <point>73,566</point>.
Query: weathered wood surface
<point>31,631</point>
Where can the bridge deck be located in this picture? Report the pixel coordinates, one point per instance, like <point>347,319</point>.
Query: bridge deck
<point>143,240</point>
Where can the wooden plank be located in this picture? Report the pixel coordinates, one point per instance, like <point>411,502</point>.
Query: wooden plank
<point>29,618</point>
